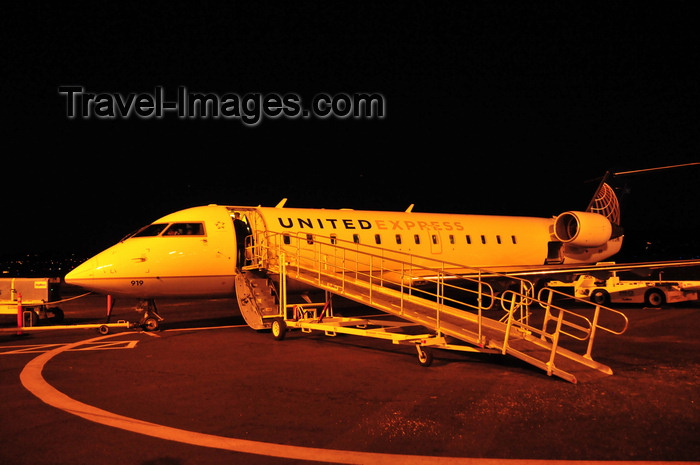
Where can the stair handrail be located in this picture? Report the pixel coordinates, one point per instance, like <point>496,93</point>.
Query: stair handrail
<point>598,308</point>
<point>376,274</point>
<point>333,253</point>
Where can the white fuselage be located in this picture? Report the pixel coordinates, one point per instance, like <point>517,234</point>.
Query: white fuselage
<point>201,258</point>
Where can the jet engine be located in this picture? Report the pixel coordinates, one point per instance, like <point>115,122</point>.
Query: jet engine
<point>583,229</point>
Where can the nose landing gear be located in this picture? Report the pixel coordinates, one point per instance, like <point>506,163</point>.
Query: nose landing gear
<point>150,319</point>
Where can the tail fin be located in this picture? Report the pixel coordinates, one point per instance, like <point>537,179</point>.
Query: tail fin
<point>606,203</point>
<point>605,200</point>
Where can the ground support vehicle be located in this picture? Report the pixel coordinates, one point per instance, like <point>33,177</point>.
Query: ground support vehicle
<point>651,293</point>
<point>35,300</point>
<point>38,296</point>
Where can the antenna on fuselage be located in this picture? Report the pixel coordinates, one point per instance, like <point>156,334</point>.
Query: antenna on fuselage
<point>281,204</point>
<point>410,208</point>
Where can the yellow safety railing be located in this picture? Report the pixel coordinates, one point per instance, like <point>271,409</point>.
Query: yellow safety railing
<point>451,288</point>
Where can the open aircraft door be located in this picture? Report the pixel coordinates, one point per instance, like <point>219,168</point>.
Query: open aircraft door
<point>253,232</point>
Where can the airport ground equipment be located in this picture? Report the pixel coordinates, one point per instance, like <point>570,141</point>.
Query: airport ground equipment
<point>39,296</point>
<point>34,299</point>
<point>431,307</point>
<point>613,289</point>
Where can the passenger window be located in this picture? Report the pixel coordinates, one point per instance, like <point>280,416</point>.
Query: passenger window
<point>309,238</point>
<point>513,239</point>
<point>452,239</point>
<point>334,239</point>
<point>185,229</point>
<point>498,239</point>
<point>435,239</point>
<point>398,239</point>
<point>377,239</point>
<point>286,239</point>
<point>469,239</point>
<point>416,238</point>
<point>356,238</point>
<point>483,239</point>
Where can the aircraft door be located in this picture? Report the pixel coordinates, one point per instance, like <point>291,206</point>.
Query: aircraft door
<point>243,237</point>
<point>250,229</point>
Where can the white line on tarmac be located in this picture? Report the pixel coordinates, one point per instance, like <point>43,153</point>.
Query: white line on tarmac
<point>33,380</point>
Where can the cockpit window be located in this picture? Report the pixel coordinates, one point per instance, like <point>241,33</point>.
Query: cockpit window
<point>185,229</point>
<point>150,230</point>
<point>174,229</point>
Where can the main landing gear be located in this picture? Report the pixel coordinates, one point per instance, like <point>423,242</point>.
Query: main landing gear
<point>150,318</point>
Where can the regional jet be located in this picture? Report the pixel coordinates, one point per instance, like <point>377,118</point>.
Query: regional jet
<point>200,251</point>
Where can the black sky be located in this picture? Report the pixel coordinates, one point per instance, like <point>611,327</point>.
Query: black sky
<point>492,107</point>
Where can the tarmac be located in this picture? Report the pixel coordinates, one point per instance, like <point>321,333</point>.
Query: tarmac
<point>205,388</point>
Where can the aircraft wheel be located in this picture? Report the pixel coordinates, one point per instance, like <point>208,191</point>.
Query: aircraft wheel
<point>425,356</point>
<point>600,297</point>
<point>151,324</point>
<point>654,298</point>
<point>57,315</point>
<point>103,329</point>
<point>279,329</point>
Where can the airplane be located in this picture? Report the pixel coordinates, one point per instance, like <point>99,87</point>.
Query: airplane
<point>199,251</point>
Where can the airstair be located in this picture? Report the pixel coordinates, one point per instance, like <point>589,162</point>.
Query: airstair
<point>423,303</point>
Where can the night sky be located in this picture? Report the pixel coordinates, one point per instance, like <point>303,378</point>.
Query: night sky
<point>491,107</point>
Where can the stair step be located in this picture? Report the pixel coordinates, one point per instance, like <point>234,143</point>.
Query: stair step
<point>462,325</point>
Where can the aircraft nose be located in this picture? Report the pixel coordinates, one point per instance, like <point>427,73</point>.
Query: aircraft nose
<point>99,273</point>
<point>84,274</point>
<point>89,274</point>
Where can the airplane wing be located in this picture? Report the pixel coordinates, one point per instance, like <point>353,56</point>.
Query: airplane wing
<point>528,272</point>
<point>604,267</point>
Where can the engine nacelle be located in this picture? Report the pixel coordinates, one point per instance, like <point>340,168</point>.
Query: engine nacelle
<point>582,229</point>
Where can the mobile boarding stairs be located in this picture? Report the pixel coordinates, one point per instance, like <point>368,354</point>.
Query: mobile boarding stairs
<point>434,308</point>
